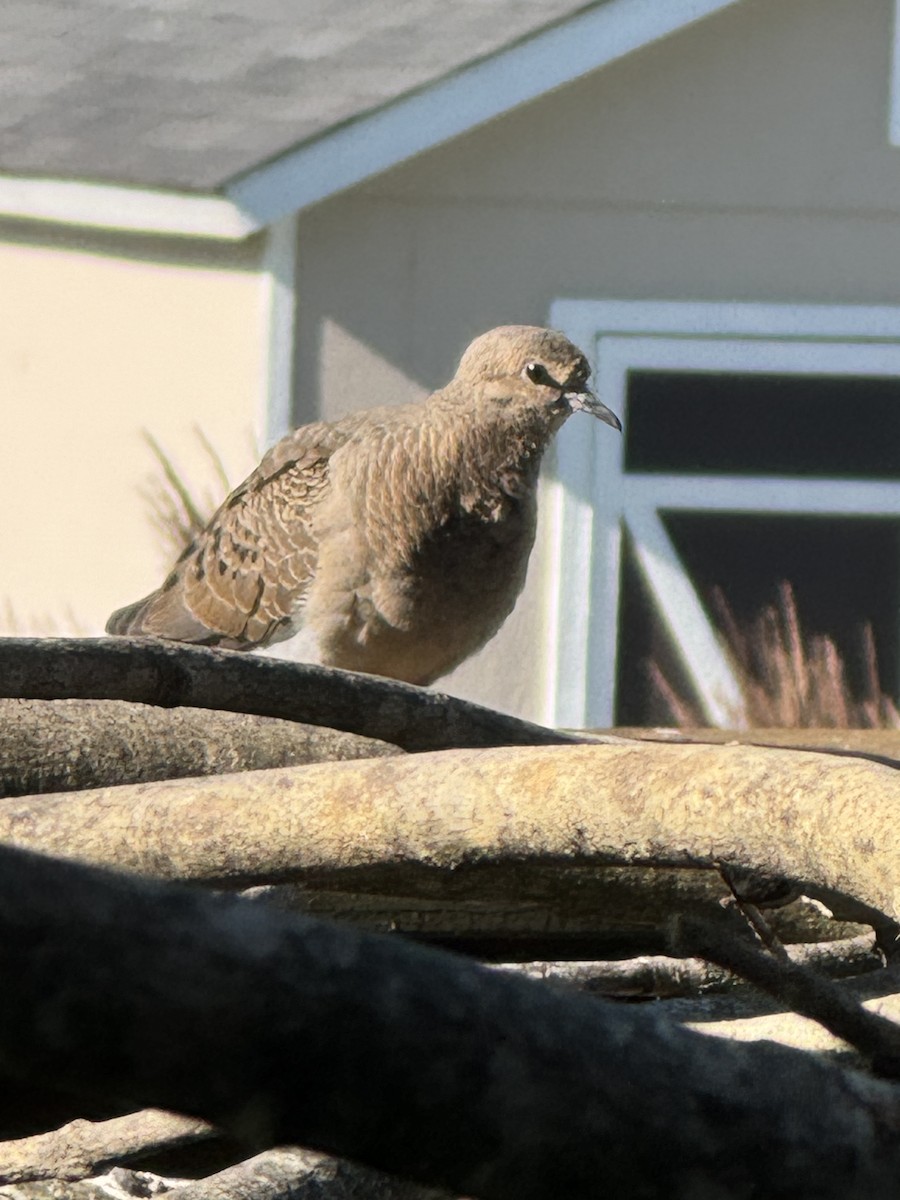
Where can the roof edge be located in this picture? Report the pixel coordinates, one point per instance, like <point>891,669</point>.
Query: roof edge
<point>128,209</point>
<point>371,144</point>
<point>545,60</point>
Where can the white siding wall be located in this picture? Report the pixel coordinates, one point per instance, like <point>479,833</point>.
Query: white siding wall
<point>745,158</point>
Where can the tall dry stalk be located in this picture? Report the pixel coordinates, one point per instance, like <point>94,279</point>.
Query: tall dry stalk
<point>14,623</point>
<point>176,512</point>
<point>788,679</point>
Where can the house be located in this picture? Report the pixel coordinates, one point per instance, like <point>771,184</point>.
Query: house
<point>243,216</point>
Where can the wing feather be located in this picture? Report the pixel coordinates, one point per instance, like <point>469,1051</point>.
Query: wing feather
<point>242,582</point>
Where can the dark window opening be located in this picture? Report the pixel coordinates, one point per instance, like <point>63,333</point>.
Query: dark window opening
<point>843,571</point>
<point>645,650</point>
<point>761,424</point>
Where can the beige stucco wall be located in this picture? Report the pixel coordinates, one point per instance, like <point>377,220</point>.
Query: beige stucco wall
<point>100,338</point>
<point>744,158</point>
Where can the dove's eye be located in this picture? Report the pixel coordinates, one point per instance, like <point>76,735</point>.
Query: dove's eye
<point>537,373</point>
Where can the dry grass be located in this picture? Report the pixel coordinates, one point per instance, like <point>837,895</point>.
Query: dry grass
<point>789,679</point>
<point>175,511</point>
<point>14,623</point>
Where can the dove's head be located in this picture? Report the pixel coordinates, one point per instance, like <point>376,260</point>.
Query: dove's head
<point>537,367</point>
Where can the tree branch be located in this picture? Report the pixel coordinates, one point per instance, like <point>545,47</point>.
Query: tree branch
<point>407,1060</point>
<point>169,675</point>
<point>63,745</point>
<point>528,909</point>
<point>447,821</point>
<point>84,1148</point>
<point>660,976</point>
<point>291,1174</point>
<point>798,987</point>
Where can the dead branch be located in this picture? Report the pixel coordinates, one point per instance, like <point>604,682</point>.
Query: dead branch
<point>63,745</point>
<point>745,1014</point>
<point>799,988</point>
<point>84,1148</point>
<point>662,976</point>
<point>168,674</point>
<point>291,1174</point>
<point>451,819</point>
<point>874,745</point>
<point>532,910</point>
<point>425,1065</point>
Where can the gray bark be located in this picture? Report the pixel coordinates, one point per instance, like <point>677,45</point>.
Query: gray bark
<point>798,987</point>
<point>292,1174</point>
<point>410,1061</point>
<point>660,976</point>
<point>528,910</point>
<point>459,823</point>
<point>168,674</point>
<point>84,1148</point>
<point>64,745</point>
<point>875,745</point>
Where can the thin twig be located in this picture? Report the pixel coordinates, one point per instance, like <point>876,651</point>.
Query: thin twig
<point>195,519</point>
<point>801,989</point>
<point>660,975</point>
<point>752,915</point>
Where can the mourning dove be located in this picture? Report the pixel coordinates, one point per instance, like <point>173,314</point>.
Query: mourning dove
<point>397,538</point>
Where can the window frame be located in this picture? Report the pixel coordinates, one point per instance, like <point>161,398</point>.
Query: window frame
<point>588,497</point>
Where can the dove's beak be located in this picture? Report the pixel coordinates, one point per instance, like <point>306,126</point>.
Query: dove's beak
<point>587,402</point>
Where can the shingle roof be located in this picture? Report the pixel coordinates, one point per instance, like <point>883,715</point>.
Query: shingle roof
<point>190,94</point>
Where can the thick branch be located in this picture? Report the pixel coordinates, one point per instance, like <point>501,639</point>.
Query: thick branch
<point>167,674</point>
<point>84,1148</point>
<point>408,1060</point>
<point>827,824</point>
<point>291,1174</point>
<point>63,745</point>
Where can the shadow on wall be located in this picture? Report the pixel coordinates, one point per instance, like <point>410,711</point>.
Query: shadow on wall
<point>391,294</point>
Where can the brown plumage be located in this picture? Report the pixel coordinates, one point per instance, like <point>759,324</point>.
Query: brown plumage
<point>396,538</point>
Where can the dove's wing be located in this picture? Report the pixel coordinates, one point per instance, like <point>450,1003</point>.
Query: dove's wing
<point>242,581</point>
